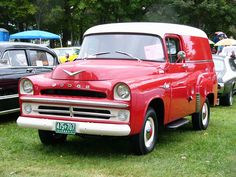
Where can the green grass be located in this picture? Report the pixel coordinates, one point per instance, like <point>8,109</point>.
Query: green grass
<point>180,152</point>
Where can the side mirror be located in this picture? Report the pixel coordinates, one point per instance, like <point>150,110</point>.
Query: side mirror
<point>181,56</point>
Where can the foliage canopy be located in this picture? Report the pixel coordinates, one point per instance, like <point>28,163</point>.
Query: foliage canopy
<point>70,18</point>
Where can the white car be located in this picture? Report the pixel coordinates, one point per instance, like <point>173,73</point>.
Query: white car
<point>225,68</point>
<point>227,51</point>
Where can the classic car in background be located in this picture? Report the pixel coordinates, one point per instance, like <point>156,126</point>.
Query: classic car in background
<point>227,50</point>
<point>226,74</point>
<point>17,60</point>
<point>66,54</point>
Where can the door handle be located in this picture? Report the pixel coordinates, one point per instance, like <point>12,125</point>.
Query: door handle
<point>29,70</point>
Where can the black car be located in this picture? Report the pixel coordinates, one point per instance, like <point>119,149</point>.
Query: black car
<point>18,59</point>
<point>225,67</point>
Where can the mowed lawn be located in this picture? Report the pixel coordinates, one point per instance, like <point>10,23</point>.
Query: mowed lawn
<point>179,153</point>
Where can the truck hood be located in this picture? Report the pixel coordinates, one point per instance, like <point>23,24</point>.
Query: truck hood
<point>99,70</point>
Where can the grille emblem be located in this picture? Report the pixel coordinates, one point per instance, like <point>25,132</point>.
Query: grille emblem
<point>72,73</point>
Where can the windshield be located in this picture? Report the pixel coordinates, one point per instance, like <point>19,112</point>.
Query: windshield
<point>122,46</point>
<point>219,65</point>
<point>63,52</point>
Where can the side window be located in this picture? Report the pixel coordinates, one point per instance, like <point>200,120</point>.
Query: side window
<point>173,47</point>
<point>41,58</point>
<point>5,60</point>
<point>50,59</point>
<point>15,58</point>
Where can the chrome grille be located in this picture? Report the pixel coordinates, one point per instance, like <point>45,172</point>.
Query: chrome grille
<point>65,92</point>
<point>4,92</point>
<point>198,102</point>
<point>74,111</point>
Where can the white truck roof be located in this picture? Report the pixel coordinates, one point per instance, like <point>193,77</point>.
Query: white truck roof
<point>159,29</point>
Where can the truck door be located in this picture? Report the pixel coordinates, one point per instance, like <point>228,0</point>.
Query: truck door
<point>178,77</point>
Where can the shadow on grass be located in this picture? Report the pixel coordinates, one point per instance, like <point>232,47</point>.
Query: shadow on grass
<point>106,146</point>
<point>167,136</point>
<point>90,146</point>
<point>9,118</point>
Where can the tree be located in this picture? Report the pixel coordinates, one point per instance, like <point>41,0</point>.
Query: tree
<point>90,13</point>
<point>16,15</point>
<point>70,18</point>
<point>209,15</point>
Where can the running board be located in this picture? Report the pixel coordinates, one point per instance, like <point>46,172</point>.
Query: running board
<point>178,123</point>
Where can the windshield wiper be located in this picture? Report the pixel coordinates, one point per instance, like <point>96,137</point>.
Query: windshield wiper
<point>93,55</point>
<point>128,54</point>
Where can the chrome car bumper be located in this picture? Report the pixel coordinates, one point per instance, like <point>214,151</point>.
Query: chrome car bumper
<point>81,127</point>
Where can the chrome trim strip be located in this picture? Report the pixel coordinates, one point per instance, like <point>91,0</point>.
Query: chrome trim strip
<point>9,111</point>
<point>81,127</point>
<point>94,114</point>
<point>14,67</point>
<point>81,102</point>
<point>73,112</point>
<point>198,61</point>
<point>51,111</point>
<point>9,96</point>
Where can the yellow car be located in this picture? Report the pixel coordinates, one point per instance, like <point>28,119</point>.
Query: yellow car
<point>66,54</point>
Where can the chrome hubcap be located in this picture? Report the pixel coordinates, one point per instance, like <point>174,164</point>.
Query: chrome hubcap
<point>204,114</point>
<point>231,98</point>
<point>149,131</point>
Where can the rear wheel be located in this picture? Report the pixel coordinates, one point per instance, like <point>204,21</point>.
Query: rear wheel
<point>200,120</point>
<point>227,100</point>
<point>50,137</point>
<point>146,140</point>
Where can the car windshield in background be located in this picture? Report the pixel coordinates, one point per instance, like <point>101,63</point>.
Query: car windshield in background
<point>219,65</point>
<point>63,52</point>
<point>122,46</point>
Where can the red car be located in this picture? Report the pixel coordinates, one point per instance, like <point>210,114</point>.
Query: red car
<point>129,80</point>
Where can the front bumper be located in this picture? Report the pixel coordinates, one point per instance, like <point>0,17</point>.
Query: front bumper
<point>81,127</point>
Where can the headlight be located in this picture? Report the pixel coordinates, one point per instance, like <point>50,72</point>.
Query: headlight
<point>26,87</point>
<point>122,92</point>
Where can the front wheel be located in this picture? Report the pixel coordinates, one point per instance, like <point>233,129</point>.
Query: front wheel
<point>50,137</point>
<point>200,120</point>
<point>146,140</point>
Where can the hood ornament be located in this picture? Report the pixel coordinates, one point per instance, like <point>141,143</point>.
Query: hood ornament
<point>72,73</point>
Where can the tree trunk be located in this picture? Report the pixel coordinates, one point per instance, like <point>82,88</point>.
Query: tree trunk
<point>66,25</point>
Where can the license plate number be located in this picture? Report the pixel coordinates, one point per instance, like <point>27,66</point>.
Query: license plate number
<point>65,128</point>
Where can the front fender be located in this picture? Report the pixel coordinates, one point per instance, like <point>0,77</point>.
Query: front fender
<point>142,96</point>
